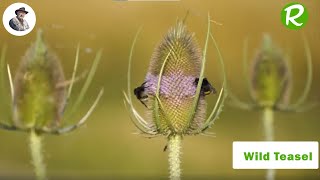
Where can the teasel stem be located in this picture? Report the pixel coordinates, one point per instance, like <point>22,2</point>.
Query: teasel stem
<point>269,134</point>
<point>174,147</point>
<point>36,154</point>
<point>268,124</point>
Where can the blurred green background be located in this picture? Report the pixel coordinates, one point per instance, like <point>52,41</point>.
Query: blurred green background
<point>107,147</point>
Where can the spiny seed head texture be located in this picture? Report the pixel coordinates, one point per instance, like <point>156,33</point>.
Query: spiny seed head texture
<point>271,76</point>
<point>38,102</point>
<point>177,87</point>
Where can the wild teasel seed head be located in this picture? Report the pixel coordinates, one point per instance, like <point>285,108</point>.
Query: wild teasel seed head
<point>270,76</point>
<point>175,87</point>
<point>270,80</point>
<point>38,102</point>
<point>176,62</point>
<point>39,92</point>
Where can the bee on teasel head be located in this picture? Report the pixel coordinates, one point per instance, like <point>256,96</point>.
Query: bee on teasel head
<point>174,88</point>
<point>178,84</point>
<point>270,80</point>
<point>174,92</point>
<point>40,94</point>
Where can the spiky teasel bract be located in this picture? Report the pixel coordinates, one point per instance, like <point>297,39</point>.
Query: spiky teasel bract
<point>174,91</point>
<point>40,97</point>
<point>270,80</point>
<point>40,92</point>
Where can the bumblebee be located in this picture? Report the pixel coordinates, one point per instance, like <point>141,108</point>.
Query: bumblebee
<point>140,93</point>
<point>206,87</point>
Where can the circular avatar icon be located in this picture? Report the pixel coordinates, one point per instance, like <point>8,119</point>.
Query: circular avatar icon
<point>19,19</point>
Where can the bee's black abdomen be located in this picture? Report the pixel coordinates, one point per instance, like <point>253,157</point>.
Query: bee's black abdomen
<point>206,87</point>
<point>139,92</point>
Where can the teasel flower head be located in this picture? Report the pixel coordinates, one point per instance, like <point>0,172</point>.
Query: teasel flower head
<point>270,80</point>
<point>178,83</point>
<point>174,88</point>
<point>40,92</point>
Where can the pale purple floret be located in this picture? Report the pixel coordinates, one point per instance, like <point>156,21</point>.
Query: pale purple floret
<point>174,84</point>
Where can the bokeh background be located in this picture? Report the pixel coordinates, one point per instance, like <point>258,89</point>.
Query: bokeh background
<point>107,147</point>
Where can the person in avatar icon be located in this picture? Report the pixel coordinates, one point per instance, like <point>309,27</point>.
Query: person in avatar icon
<point>18,23</point>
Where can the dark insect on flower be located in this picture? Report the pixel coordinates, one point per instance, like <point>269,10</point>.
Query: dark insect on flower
<point>206,87</point>
<point>174,89</point>
<point>140,93</point>
<point>40,92</point>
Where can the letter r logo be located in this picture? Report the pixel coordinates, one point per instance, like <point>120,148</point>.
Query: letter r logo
<point>292,19</point>
<point>294,16</point>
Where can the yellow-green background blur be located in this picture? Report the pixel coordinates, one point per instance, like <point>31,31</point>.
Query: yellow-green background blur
<point>107,147</point>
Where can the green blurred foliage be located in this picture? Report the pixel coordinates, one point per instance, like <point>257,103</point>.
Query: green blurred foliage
<point>107,147</point>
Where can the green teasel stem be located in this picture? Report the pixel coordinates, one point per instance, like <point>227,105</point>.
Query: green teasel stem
<point>270,174</point>
<point>174,147</point>
<point>37,156</point>
<point>268,119</point>
<point>268,124</point>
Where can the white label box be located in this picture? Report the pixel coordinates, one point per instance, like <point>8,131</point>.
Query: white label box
<point>275,155</point>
